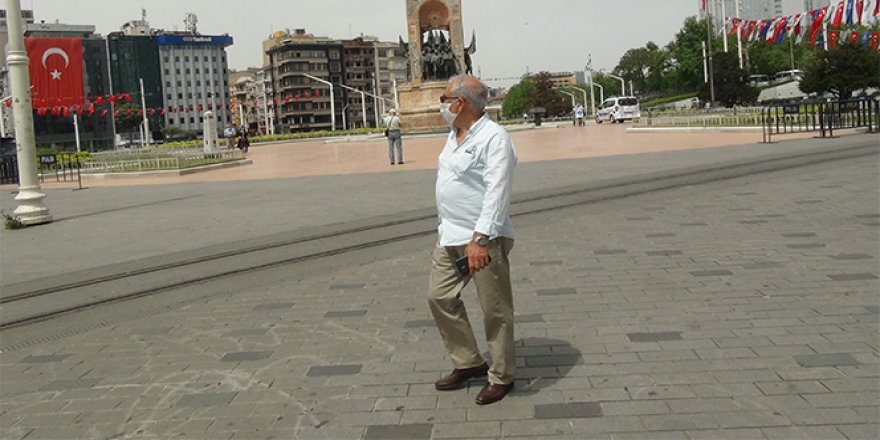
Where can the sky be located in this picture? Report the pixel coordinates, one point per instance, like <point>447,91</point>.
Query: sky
<point>513,36</point>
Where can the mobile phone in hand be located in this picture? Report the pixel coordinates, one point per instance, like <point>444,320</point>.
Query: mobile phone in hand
<point>462,265</point>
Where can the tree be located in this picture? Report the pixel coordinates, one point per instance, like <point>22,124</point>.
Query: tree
<point>731,82</point>
<point>545,96</point>
<point>127,118</point>
<point>686,55</point>
<point>842,70</point>
<point>516,102</point>
<point>645,67</point>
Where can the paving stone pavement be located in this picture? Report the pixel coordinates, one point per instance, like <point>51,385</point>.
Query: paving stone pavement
<point>745,308</point>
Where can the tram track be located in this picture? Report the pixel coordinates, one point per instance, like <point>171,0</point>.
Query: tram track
<point>41,300</point>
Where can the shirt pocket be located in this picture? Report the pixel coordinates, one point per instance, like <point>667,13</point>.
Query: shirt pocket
<point>462,161</point>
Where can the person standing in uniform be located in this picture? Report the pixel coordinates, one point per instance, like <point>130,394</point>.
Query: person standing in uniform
<point>473,191</point>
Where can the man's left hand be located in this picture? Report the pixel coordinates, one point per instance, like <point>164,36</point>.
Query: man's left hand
<point>478,256</point>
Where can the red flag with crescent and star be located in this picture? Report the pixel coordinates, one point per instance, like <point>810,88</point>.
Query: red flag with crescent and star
<point>56,69</point>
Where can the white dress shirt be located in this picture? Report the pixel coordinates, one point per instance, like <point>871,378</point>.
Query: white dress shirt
<point>474,184</point>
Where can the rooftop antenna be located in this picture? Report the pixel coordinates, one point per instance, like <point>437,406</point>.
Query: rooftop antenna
<point>191,21</point>
<point>143,14</point>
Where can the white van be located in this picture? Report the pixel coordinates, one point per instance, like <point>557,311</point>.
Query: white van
<point>618,110</point>
<point>788,75</point>
<point>759,80</point>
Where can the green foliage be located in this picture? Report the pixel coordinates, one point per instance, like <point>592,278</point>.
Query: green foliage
<point>686,54</point>
<point>516,102</point>
<point>127,119</point>
<point>731,82</point>
<point>647,67</point>
<point>11,221</point>
<point>842,70</point>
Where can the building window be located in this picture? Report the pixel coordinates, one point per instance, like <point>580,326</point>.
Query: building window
<point>177,71</point>
<point>186,59</point>
<point>176,58</point>
<point>180,96</point>
<point>197,71</point>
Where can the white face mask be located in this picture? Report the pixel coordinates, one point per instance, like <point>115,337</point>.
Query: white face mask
<point>448,116</point>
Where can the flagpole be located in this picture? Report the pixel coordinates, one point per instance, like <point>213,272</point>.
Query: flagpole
<point>31,210</point>
<point>739,43</point>
<point>709,58</point>
<point>146,138</point>
<point>724,24</point>
<point>76,131</point>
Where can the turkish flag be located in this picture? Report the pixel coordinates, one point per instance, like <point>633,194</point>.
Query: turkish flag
<point>56,68</point>
<point>833,36</point>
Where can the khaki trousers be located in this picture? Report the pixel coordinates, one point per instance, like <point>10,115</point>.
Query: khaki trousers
<point>496,300</point>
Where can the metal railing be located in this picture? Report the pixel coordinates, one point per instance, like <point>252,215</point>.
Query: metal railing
<point>820,116</point>
<point>65,167</point>
<point>8,169</point>
<point>718,117</point>
<point>149,159</point>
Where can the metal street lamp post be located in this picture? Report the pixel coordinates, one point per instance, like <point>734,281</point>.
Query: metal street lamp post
<point>571,95</point>
<point>622,84</point>
<point>363,102</point>
<point>332,105</point>
<point>31,210</point>
<point>592,92</point>
<point>583,92</point>
<point>601,94</point>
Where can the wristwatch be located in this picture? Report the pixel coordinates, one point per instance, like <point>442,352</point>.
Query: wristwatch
<point>481,240</point>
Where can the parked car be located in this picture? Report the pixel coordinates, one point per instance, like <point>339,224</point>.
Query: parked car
<point>618,110</point>
<point>788,75</point>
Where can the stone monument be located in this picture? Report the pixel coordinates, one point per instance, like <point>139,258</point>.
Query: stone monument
<point>436,53</point>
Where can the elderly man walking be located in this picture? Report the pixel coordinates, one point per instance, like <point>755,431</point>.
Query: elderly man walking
<point>473,190</point>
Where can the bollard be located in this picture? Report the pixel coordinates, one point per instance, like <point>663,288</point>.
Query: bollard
<point>209,136</point>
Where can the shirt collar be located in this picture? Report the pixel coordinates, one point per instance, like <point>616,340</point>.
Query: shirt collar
<point>475,128</point>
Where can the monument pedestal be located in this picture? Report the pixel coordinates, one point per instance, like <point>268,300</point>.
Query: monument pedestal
<point>420,106</point>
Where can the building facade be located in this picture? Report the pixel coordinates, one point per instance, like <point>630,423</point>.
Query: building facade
<point>134,58</point>
<point>302,103</point>
<point>363,64</point>
<point>96,130</point>
<point>194,72</point>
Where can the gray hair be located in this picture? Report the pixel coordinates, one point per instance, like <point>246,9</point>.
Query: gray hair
<point>475,96</point>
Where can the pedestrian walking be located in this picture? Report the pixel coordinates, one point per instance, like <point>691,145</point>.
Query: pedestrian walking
<point>395,141</point>
<point>243,142</point>
<point>473,190</point>
<point>229,134</point>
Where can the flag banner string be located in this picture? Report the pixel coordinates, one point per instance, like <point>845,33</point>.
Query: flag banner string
<point>809,25</point>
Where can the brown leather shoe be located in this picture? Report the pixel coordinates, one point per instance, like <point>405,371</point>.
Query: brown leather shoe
<point>458,378</point>
<point>492,393</point>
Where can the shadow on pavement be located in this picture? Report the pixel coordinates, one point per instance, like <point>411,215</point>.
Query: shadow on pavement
<point>546,361</point>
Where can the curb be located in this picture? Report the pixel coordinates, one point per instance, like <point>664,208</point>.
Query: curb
<point>194,170</point>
